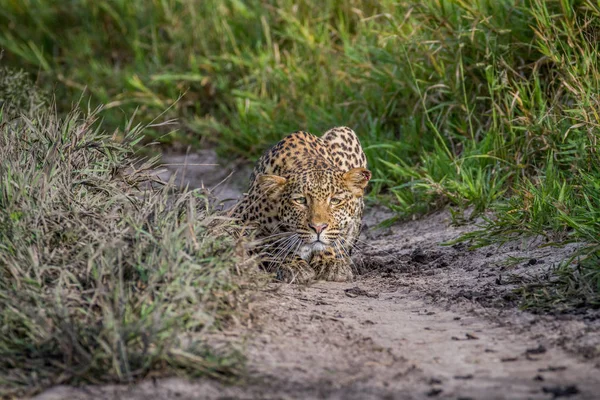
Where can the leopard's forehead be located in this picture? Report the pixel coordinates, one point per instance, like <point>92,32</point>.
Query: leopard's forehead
<point>316,182</point>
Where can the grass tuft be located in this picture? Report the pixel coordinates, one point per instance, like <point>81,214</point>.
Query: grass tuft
<point>105,276</point>
<point>18,95</point>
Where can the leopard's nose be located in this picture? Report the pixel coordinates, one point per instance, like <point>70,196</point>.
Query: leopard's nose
<point>318,228</point>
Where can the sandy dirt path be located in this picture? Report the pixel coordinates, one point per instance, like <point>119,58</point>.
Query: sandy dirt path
<point>421,320</point>
<point>381,341</point>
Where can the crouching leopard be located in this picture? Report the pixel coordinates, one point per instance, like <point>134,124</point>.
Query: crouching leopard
<point>306,203</point>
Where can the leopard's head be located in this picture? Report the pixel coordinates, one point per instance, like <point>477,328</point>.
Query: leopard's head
<point>320,209</point>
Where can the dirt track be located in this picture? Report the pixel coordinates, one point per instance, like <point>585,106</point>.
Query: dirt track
<point>421,321</point>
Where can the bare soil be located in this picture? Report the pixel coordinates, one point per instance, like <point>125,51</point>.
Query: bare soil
<point>421,320</point>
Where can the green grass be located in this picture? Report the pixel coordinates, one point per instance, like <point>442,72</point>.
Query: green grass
<point>18,95</point>
<point>249,71</point>
<point>106,275</point>
<point>481,105</point>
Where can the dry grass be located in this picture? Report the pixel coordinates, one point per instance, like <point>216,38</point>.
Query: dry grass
<point>105,275</point>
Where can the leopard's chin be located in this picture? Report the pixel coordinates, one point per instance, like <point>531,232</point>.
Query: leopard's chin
<point>307,250</point>
<point>319,246</point>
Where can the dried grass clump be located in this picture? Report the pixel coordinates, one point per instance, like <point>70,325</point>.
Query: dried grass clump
<point>104,275</point>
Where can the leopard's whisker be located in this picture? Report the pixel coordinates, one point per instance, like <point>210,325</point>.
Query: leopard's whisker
<point>298,244</point>
<point>285,248</point>
<point>282,246</point>
<point>272,241</point>
<point>339,245</point>
<point>293,245</point>
<point>276,242</point>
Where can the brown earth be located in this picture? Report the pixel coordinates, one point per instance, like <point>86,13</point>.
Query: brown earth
<point>421,320</point>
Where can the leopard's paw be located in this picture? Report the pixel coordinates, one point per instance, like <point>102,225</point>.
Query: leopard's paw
<point>335,270</point>
<point>296,272</point>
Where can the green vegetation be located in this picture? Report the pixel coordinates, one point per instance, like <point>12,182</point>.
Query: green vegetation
<point>105,274</point>
<point>483,105</point>
<point>18,95</point>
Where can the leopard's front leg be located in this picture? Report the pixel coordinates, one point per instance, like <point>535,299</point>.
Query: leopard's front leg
<point>332,265</point>
<point>292,269</point>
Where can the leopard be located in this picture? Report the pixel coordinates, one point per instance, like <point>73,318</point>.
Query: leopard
<point>305,205</point>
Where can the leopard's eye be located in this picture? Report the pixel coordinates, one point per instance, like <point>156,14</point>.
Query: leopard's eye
<point>300,200</point>
<point>335,200</point>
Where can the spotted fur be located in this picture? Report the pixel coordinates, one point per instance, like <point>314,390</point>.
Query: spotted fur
<point>306,203</point>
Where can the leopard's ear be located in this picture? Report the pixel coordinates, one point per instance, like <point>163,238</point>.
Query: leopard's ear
<point>357,180</point>
<point>270,185</point>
